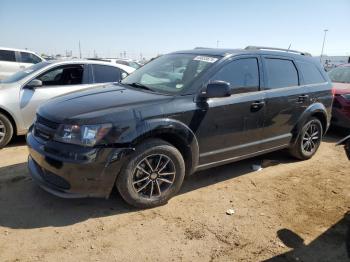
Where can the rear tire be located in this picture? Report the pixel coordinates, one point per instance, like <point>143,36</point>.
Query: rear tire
<point>153,174</point>
<point>308,141</point>
<point>6,130</point>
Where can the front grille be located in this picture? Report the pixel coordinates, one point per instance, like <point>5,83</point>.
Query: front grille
<point>44,128</point>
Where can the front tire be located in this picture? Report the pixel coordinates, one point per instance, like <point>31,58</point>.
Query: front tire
<point>154,173</point>
<point>309,140</point>
<point>6,130</point>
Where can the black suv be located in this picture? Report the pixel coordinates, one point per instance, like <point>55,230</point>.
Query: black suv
<point>182,112</point>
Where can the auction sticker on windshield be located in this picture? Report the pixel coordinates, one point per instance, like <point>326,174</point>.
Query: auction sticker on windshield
<point>207,59</point>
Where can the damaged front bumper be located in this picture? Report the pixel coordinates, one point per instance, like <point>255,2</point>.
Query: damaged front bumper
<point>73,171</point>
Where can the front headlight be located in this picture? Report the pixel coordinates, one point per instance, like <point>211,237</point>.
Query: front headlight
<point>86,135</point>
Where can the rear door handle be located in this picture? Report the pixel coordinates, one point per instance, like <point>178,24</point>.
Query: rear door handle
<point>257,105</point>
<point>302,98</point>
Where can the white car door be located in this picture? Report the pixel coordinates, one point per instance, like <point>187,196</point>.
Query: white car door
<point>56,81</point>
<point>8,63</point>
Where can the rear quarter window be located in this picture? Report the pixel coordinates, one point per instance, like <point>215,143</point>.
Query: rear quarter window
<point>310,73</point>
<point>281,73</point>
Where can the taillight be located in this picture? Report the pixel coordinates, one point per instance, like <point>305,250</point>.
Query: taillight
<point>333,91</point>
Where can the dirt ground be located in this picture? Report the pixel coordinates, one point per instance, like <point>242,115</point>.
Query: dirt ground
<point>289,211</point>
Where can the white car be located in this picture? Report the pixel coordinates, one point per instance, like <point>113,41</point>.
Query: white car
<point>14,60</point>
<point>24,91</point>
<point>121,61</point>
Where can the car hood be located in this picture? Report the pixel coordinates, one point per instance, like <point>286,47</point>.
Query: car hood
<point>341,88</point>
<point>99,104</point>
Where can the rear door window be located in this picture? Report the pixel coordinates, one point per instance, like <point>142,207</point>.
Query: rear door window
<point>105,74</point>
<point>7,55</point>
<point>242,74</point>
<point>311,74</point>
<point>29,58</point>
<point>281,73</point>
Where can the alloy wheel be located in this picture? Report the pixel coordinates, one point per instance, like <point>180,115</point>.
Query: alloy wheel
<point>2,131</point>
<point>153,176</point>
<point>311,139</point>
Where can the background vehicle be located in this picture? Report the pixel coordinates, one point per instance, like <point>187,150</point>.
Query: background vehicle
<point>128,62</point>
<point>182,112</point>
<point>121,61</point>
<point>14,60</point>
<point>23,92</point>
<point>340,77</point>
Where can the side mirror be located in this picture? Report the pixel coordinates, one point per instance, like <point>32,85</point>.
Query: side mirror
<point>34,83</point>
<point>216,89</point>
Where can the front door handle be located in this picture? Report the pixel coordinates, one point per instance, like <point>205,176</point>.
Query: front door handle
<point>257,105</point>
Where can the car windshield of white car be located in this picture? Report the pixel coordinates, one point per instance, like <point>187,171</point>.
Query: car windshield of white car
<point>25,72</point>
<point>170,74</point>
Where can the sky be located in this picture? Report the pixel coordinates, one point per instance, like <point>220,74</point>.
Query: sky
<point>152,27</point>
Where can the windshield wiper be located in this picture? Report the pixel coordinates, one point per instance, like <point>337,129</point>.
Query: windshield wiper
<point>139,85</point>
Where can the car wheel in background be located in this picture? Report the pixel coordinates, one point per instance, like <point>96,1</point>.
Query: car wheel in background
<point>153,174</point>
<point>6,130</point>
<point>309,140</point>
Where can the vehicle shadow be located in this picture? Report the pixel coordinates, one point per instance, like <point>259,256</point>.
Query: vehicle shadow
<point>24,205</point>
<point>332,245</point>
<point>334,134</point>
<point>17,141</point>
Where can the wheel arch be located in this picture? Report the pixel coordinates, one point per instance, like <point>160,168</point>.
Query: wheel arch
<point>175,133</point>
<point>316,110</point>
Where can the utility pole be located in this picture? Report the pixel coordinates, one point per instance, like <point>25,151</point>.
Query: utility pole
<point>79,50</point>
<point>324,40</point>
<point>217,43</point>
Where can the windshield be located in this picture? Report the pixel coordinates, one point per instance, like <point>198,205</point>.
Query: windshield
<point>134,65</point>
<point>25,72</point>
<point>340,74</point>
<point>170,73</point>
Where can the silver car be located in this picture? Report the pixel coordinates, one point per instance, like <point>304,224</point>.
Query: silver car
<point>23,92</point>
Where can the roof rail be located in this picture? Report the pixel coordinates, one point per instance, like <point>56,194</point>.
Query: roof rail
<point>201,47</point>
<point>277,49</point>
